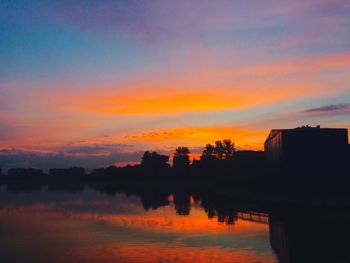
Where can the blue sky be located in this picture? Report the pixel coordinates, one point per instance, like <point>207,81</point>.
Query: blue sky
<point>159,74</point>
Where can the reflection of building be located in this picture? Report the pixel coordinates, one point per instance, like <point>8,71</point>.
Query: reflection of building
<point>311,238</point>
<point>306,145</point>
<point>279,241</point>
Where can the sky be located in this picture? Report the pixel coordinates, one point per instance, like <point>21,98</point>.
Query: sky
<point>95,83</point>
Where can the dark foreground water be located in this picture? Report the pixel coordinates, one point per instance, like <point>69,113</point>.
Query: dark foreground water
<point>92,226</point>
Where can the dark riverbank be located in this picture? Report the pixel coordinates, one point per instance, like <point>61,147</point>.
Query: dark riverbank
<point>257,191</point>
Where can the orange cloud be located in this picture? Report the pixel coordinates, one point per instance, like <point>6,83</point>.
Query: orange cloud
<point>189,136</point>
<point>203,88</point>
<point>66,114</point>
<point>304,66</point>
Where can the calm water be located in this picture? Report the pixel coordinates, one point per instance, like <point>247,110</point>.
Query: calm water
<point>92,226</point>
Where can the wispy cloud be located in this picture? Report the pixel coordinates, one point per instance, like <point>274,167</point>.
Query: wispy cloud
<point>195,89</point>
<point>329,108</point>
<point>89,157</point>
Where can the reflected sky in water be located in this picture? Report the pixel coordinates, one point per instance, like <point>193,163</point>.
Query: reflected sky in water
<point>89,226</point>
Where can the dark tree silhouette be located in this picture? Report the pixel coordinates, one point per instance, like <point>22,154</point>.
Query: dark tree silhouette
<point>211,160</point>
<point>219,150</point>
<point>154,163</point>
<point>208,157</point>
<point>223,149</point>
<point>181,151</point>
<point>146,158</point>
<point>181,159</point>
<point>229,149</point>
<point>209,151</point>
<point>25,172</point>
<point>73,171</point>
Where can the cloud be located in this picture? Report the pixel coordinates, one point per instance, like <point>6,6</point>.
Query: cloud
<point>196,89</point>
<point>234,56</point>
<point>127,149</point>
<point>329,108</point>
<point>170,20</point>
<point>89,157</point>
<point>196,137</point>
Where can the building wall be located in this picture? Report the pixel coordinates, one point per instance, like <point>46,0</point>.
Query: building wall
<point>314,146</point>
<point>307,147</point>
<point>273,148</point>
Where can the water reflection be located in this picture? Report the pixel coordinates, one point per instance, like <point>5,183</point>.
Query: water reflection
<point>104,223</point>
<point>311,237</point>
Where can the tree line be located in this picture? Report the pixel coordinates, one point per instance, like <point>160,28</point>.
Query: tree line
<point>217,158</point>
<point>221,150</point>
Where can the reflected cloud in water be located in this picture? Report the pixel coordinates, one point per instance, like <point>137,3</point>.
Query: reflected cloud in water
<point>139,225</point>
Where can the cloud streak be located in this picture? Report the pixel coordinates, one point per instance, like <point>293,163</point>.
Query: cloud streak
<point>90,157</point>
<point>329,108</point>
<point>120,150</point>
<point>196,89</point>
<point>330,111</point>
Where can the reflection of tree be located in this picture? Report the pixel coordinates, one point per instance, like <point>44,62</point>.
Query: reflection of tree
<point>24,187</point>
<point>182,202</point>
<point>224,215</point>
<point>217,208</point>
<point>154,199</point>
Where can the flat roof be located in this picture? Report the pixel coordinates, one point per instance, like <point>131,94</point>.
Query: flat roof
<point>274,132</point>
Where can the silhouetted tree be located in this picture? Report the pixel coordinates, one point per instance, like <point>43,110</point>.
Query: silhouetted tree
<point>154,163</point>
<point>229,148</point>
<point>224,149</point>
<point>212,155</point>
<point>146,158</point>
<point>181,151</point>
<point>27,172</point>
<point>208,159</point>
<point>181,159</point>
<point>62,172</point>
<point>209,151</point>
<point>219,150</point>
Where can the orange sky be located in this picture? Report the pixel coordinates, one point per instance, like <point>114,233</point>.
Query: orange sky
<point>77,83</point>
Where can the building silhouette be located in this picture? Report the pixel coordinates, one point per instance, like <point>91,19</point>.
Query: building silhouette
<point>306,146</point>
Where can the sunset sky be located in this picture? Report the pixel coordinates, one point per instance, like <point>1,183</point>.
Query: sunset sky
<point>94,83</point>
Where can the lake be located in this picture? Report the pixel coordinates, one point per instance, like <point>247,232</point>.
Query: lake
<point>86,224</point>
